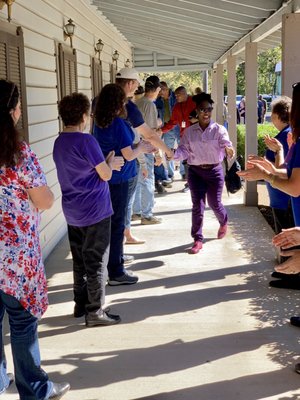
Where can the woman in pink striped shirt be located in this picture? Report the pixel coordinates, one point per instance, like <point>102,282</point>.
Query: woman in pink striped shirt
<point>204,145</point>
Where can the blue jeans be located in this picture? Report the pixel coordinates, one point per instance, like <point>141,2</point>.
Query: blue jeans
<point>31,381</point>
<point>119,195</point>
<point>144,197</point>
<point>170,138</point>
<point>132,184</point>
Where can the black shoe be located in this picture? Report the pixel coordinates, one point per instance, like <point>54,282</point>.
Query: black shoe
<point>59,389</point>
<point>286,284</point>
<point>79,311</point>
<point>280,275</point>
<point>105,319</point>
<point>295,321</point>
<point>297,368</point>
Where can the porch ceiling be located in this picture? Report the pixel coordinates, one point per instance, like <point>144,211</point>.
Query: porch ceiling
<point>191,34</point>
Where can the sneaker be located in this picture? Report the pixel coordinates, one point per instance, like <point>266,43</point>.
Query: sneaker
<point>167,183</point>
<point>159,188</point>
<point>59,390</point>
<point>79,310</point>
<point>104,319</point>
<point>186,189</point>
<point>295,321</point>
<point>150,220</point>
<point>127,259</point>
<point>135,217</point>
<point>126,279</point>
<point>222,231</point>
<point>196,247</point>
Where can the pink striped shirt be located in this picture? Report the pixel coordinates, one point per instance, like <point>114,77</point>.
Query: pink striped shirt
<point>203,147</point>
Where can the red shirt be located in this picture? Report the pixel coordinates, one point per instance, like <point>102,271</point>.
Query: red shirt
<point>180,116</point>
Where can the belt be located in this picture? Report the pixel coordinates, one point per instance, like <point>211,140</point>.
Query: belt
<point>207,166</point>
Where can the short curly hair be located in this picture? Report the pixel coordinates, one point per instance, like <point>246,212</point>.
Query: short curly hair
<point>110,104</point>
<point>199,98</point>
<point>71,108</point>
<point>282,108</point>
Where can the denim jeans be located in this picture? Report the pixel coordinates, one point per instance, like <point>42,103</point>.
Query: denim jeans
<point>132,184</point>
<point>206,183</point>
<point>170,138</point>
<point>90,249</point>
<point>31,381</point>
<point>144,197</point>
<point>119,195</point>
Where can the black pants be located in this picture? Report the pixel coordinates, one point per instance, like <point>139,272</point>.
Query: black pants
<point>90,251</point>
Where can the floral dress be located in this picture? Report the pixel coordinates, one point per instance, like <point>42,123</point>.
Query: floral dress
<point>21,266</point>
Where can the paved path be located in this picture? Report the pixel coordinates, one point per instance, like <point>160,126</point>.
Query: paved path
<point>196,327</point>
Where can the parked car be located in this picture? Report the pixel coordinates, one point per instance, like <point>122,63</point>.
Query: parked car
<point>238,99</point>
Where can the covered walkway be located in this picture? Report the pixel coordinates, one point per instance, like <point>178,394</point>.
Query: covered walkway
<point>195,327</point>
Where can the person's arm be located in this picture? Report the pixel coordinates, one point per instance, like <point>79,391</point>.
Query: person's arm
<point>152,136</point>
<point>42,197</point>
<point>142,147</point>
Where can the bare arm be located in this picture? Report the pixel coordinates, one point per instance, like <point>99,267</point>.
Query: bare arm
<point>41,197</point>
<point>112,163</point>
<point>151,135</point>
<point>142,147</point>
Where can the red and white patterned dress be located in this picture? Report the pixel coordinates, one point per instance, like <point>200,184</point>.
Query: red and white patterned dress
<point>21,266</point>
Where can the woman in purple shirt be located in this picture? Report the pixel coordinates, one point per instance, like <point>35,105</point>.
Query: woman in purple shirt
<point>204,145</point>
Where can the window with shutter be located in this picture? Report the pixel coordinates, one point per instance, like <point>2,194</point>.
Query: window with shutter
<point>67,62</point>
<point>96,72</point>
<point>113,73</point>
<point>12,68</point>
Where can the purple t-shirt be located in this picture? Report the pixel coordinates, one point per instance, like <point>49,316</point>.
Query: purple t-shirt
<point>85,196</point>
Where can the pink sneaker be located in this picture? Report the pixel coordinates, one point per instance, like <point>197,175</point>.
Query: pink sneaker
<point>196,247</point>
<point>222,231</point>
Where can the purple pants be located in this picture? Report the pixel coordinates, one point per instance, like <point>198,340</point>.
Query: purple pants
<point>206,183</point>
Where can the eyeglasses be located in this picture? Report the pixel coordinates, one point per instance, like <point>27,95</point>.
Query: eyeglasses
<point>205,110</point>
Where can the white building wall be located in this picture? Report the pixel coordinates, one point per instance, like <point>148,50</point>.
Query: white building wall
<point>42,22</point>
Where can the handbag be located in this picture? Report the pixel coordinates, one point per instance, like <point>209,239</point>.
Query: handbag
<point>233,182</point>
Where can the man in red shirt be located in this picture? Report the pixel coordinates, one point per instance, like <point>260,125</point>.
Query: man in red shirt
<point>180,116</point>
<point>181,111</point>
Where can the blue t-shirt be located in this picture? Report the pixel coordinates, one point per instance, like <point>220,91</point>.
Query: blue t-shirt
<point>294,162</point>
<point>278,199</point>
<point>117,136</point>
<point>134,116</point>
<point>85,196</point>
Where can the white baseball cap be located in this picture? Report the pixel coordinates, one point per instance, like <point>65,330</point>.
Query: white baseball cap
<point>129,73</point>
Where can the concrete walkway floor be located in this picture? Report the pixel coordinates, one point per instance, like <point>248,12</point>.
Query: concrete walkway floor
<point>195,327</point>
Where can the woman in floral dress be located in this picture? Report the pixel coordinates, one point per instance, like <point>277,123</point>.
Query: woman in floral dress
<point>23,287</point>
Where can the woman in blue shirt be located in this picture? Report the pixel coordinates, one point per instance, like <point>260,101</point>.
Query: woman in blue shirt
<point>114,134</point>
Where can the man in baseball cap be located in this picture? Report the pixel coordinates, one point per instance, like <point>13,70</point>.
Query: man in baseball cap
<point>129,73</point>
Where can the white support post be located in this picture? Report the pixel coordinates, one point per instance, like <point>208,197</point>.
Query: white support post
<point>214,91</point>
<point>219,100</point>
<point>251,196</point>
<point>290,52</point>
<point>231,89</point>
<point>205,81</point>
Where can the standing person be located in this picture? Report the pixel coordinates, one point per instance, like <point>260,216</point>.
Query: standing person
<point>165,104</point>
<point>260,110</point>
<point>82,173</point>
<point>242,110</point>
<point>205,145</point>
<point>265,107</point>
<point>23,286</point>
<point>128,79</point>
<point>181,116</point>
<point>114,134</point>
<point>144,199</point>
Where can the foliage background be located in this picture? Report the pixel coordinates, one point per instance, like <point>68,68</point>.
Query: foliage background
<point>191,80</point>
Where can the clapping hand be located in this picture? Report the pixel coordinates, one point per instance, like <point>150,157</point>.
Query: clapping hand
<point>272,143</point>
<point>115,163</point>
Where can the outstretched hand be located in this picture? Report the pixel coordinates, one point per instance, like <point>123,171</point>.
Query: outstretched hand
<point>292,265</point>
<point>272,143</point>
<point>287,238</point>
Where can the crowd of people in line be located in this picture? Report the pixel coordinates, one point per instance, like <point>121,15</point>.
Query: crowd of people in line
<point>107,179</point>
